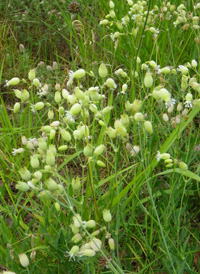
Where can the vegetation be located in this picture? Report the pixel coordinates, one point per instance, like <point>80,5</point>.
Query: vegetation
<point>99,137</point>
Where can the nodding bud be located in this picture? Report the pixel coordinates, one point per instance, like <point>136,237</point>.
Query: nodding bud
<point>65,135</point>
<point>99,150</point>
<point>39,106</point>
<point>100,163</point>
<point>16,107</point>
<point>80,73</point>
<point>57,206</point>
<point>24,261</point>
<point>148,80</point>
<point>14,81</point>
<point>148,127</point>
<point>194,63</point>
<point>89,252</point>
<point>31,75</point>
<point>75,109</point>
<point>57,97</point>
<point>165,70</point>
<point>110,83</point>
<point>111,244</point>
<point>139,117</point>
<point>102,70</point>
<point>107,216</point>
<point>104,22</point>
<point>90,224</point>
<point>182,165</point>
<point>36,83</point>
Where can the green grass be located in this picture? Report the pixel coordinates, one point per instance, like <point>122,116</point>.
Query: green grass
<point>154,207</point>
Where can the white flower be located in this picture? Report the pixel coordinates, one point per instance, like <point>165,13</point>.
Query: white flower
<point>170,103</point>
<point>69,116</point>
<point>158,156</point>
<point>17,150</point>
<point>188,104</point>
<point>112,37</point>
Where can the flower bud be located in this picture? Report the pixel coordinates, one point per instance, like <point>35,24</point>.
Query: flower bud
<point>148,80</point>
<point>148,127</point>
<point>165,156</point>
<point>38,175</point>
<point>182,165</point>
<point>90,224</point>
<point>95,244</point>
<point>24,261</point>
<point>51,184</point>
<point>76,183</point>
<point>179,106</point>
<point>165,117</point>
<point>184,70</point>
<point>62,148</point>
<point>74,250</point>
<point>89,253</point>
<point>50,158</point>
<point>111,132</point>
<point>76,238</point>
<point>57,206</point>
<point>77,220</point>
<point>139,117</point>
<point>57,97</point>
<point>14,81</point>
<point>25,173</point>
<point>194,63</point>
<point>31,75</point>
<point>65,135</point>
<point>99,150</point>
<point>110,83</point>
<point>75,109</point>
<point>100,163</point>
<point>111,4</point>
<point>36,83</point>
<point>165,70</point>
<point>111,244</point>
<point>189,97</point>
<point>22,186</point>
<point>38,106</point>
<point>102,70</point>
<point>80,73</point>
<point>136,106</point>
<point>107,216</point>
<point>34,161</point>
<point>104,22</point>
<point>16,107</point>
<point>88,150</point>
<point>124,87</point>
<point>74,229</point>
